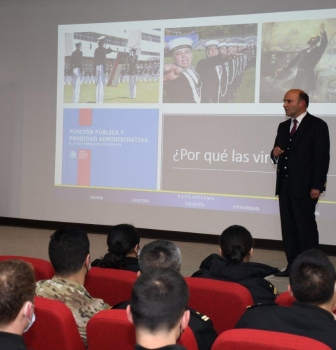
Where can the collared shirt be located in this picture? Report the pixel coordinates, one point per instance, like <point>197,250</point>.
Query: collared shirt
<point>298,119</point>
<point>75,297</point>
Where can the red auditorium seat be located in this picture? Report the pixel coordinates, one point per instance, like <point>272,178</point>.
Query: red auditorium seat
<point>224,302</point>
<point>285,299</point>
<point>43,269</point>
<point>54,329</point>
<point>111,285</point>
<point>110,329</point>
<point>252,339</point>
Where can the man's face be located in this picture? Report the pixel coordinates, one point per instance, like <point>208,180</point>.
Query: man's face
<point>292,105</point>
<point>211,51</point>
<point>222,50</point>
<point>183,57</point>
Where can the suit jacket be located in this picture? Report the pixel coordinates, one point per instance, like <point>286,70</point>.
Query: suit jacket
<point>308,158</point>
<point>248,274</point>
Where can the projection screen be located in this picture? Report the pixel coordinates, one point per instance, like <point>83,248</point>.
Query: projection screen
<point>105,132</point>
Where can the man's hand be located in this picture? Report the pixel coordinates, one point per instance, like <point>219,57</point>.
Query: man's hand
<point>171,72</point>
<point>277,151</point>
<point>314,193</point>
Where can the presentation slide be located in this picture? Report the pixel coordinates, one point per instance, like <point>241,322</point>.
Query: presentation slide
<point>170,113</point>
<point>161,114</point>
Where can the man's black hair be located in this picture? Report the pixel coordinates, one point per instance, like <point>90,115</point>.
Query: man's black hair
<point>68,249</point>
<point>312,277</point>
<point>159,299</point>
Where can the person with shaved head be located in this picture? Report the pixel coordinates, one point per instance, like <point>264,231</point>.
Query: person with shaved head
<point>301,152</point>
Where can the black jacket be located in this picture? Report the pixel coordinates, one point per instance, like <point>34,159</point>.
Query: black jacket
<point>301,319</point>
<point>250,275</point>
<point>131,264</point>
<point>308,158</point>
<point>11,341</point>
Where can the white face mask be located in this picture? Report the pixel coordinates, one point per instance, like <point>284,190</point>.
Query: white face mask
<point>30,322</point>
<point>88,268</point>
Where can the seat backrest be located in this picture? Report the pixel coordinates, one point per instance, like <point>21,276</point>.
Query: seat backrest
<point>253,339</point>
<point>55,327</point>
<point>110,329</point>
<point>224,302</point>
<point>43,269</point>
<point>285,299</point>
<point>112,285</point>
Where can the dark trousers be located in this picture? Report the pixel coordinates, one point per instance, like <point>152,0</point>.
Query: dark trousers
<point>298,225</point>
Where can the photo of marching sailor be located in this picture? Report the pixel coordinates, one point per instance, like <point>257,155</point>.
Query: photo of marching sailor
<point>298,55</point>
<point>132,61</point>
<point>99,64</point>
<point>213,64</point>
<point>116,66</point>
<point>76,68</point>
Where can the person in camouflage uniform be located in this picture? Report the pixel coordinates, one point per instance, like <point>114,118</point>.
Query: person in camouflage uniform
<point>69,254</point>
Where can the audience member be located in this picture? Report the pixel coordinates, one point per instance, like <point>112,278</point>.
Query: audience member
<point>123,249</point>
<point>166,254</point>
<point>69,254</point>
<point>158,309</point>
<point>233,265</point>
<point>17,289</point>
<point>312,283</point>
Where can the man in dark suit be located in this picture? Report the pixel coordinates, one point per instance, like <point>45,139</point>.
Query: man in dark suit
<point>301,150</point>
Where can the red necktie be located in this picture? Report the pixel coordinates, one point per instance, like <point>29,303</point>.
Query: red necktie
<point>294,127</point>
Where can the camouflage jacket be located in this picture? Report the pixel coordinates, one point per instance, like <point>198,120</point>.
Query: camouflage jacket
<point>75,296</point>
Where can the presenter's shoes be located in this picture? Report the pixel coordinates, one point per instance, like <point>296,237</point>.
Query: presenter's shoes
<point>283,273</point>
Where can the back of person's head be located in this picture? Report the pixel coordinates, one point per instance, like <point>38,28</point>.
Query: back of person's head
<point>121,240</point>
<point>159,300</point>
<point>312,278</point>
<point>68,249</point>
<point>17,286</point>
<point>160,253</point>
<point>236,243</point>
